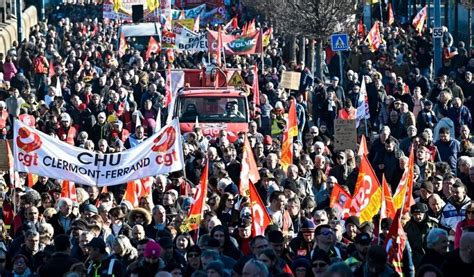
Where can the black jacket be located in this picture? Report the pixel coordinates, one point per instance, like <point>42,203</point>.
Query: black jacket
<point>57,265</point>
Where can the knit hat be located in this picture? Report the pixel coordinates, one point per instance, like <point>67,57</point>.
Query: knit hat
<point>308,226</point>
<point>152,250</point>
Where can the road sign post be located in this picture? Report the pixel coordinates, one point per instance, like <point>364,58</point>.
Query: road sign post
<point>340,42</point>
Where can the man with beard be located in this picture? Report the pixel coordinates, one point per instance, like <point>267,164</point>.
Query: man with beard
<point>361,243</point>
<point>136,138</point>
<point>455,209</point>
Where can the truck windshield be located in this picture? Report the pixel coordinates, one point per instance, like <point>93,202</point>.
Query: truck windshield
<point>212,109</point>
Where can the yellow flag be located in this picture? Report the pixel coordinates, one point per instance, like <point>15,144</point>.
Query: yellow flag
<point>117,5</point>
<point>152,4</point>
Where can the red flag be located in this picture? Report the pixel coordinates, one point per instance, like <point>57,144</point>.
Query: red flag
<point>232,24</point>
<point>51,69</point>
<point>387,209</point>
<point>153,47</point>
<point>341,200</point>
<point>367,200</point>
<point>391,18</point>
<point>249,170</point>
<point>147,185</point>
<point>219,46</point>
<point>292,121</point>
<point>363,149</point>
<point>69,190</point>
<point>168,95</point>
<point>131,194</point>
<point>286,151</point>
<point>122,45</point>
<point>195,212</point>
<point>260,217</point>
<point>255,87</point>
<point>395,243</point>
<point>403,196</point>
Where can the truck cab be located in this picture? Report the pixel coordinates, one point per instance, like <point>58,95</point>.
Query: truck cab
<point>215,108</point>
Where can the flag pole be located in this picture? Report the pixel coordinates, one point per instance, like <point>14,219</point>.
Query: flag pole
<point>262,54</point>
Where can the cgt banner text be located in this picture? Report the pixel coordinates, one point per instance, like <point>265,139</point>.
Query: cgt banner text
<point>38,153</point>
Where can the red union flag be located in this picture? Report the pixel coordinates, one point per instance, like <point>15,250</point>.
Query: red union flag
<point>237,45</point>
<point>292,120</point>
<point>366,200</point>
<point>195,212</point>
<point>341,200</point>
<point>249,170</point>
<point>68,190</point>
<point>153,47</point>
<point>260,217</point>
<point>395,243</point>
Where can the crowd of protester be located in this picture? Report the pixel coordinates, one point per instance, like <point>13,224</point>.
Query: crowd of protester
<point>93,100</point>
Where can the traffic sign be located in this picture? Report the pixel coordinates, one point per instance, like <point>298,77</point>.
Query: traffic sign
<point>340,42</point>
<point>236,80</point>
<point>438,32</point>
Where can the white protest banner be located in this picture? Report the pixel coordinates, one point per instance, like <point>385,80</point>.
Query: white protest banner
<point>35,152</point>
<point>189,40</point>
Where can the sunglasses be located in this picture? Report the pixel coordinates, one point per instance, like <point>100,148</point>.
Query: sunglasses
<point>192,255</point>
<point>326,233</point>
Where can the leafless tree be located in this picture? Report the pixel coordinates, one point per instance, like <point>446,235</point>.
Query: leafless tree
<point>313,19</point>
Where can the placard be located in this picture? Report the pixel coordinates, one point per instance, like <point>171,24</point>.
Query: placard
<point>345,134</point>
<point>290,80</point>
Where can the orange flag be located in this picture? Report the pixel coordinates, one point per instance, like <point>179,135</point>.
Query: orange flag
<point>363,149</point>
<point>31,179</point>
<point>194,217</point>
<point>292,121</point>
<point>153,47</point>
<point>12,174</point>
<point>341,200</point>
<point>391,18</point>
<point>419,20</point>
<point>122,45</point>
<point>255,87</point>
<point>374,38</point>
<point>366,200</point>
<point>147,186</point>
<point>131,194</point>
<point>251,27</point>
<point>249,170</point>
<point>395,243</point>
<point>260,217</point>
<point>360,28</point>
<point>286,151</point>
<point>387,209</point>
<point>404,194</point>
<point>68,190</point>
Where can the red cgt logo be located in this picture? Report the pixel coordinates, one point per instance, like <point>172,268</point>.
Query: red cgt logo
<point>165,141</point>
<point>28,141</point>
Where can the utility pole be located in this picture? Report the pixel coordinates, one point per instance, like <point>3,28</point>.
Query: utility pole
<point>19,23</point>
<point>437,39</point>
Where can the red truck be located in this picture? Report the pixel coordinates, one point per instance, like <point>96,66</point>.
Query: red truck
<point>217,106</point>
